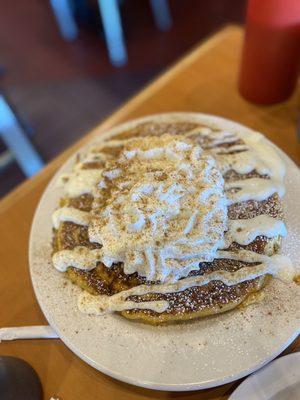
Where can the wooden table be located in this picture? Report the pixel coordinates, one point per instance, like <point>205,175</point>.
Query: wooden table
<point>203,81</point>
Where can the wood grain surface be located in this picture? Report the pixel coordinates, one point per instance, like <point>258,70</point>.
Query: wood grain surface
<point>203,81</point>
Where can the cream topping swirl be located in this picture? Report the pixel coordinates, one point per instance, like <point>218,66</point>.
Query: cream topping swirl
<point>160,208</point>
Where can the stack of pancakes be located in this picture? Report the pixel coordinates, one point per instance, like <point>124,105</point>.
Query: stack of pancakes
<point>212,298</point>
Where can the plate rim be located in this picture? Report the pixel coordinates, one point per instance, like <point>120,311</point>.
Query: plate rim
<point>109,134</point>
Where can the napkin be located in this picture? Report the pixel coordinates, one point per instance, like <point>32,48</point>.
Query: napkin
<point>28,332</point>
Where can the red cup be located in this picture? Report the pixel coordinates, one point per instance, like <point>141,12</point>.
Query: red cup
<point>271,53</point>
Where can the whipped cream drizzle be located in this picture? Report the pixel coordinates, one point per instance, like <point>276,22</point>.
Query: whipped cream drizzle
<point>80,257</point>
<point>151,262</point>
<point>70,214</point>
<point>278,266</point>
<point>244,231</point>
<point>80,181</point>
<point>252,189</point>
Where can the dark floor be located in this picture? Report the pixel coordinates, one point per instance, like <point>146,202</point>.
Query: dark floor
<point>63,89</point>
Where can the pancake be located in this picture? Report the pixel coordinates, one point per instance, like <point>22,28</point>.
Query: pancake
<point>196,301</point>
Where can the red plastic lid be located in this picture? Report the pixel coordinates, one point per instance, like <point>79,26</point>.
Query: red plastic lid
<point>275,12</point>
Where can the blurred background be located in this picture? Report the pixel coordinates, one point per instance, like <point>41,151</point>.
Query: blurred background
<point>67,64</point>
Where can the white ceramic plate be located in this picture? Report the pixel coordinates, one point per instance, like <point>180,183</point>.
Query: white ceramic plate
<point>280,380</point>
<point>188,356</point>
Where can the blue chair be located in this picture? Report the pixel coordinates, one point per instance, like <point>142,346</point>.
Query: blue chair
<point>63,13</point>
<point>111,19</point>
<point>15,138</point>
